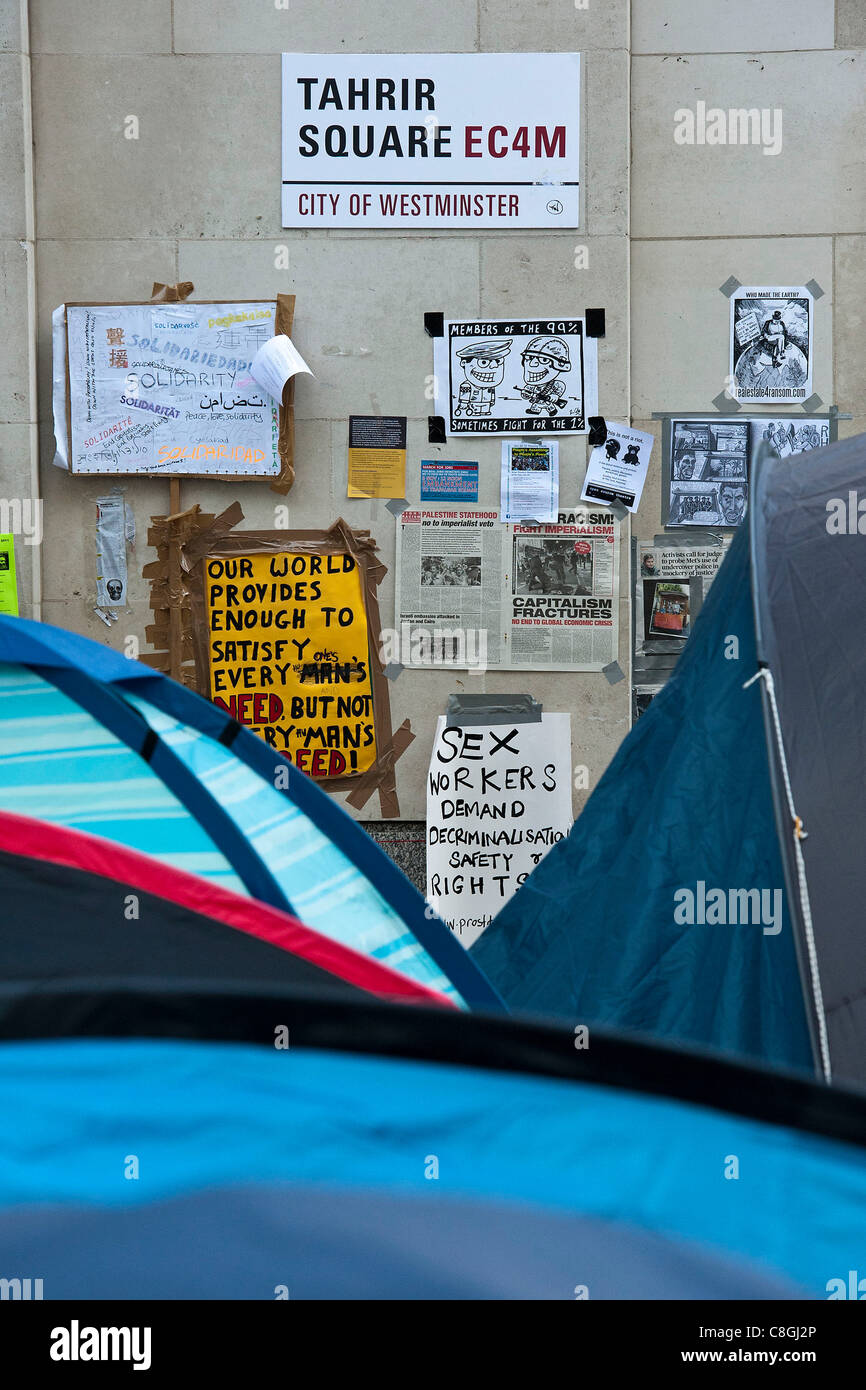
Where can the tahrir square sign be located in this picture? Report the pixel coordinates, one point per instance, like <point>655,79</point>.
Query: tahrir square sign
<point>443,140</point>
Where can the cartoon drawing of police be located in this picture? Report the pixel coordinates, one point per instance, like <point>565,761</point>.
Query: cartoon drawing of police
<point>543,361</point>
<point>483,368</point>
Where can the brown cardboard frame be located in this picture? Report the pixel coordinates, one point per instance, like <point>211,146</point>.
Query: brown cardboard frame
<point>285,312</point>
<point>219,539</point>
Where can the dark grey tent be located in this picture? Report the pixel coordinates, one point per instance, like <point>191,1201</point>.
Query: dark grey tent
<point>707,795</point>
<point>808,551</point>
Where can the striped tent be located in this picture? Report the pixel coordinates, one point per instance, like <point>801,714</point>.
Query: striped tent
<point>94,741</point>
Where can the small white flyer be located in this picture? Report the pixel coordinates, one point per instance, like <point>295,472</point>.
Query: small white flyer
<point>617,469</point>
<point>529,489</point>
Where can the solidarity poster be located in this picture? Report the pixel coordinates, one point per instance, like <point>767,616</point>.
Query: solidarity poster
<point>288,643</point>
<point>166,388</point>
<point>416,140</point>
<point>498,797</point>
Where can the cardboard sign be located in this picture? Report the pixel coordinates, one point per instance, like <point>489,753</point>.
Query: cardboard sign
<point>285,635</point>
<point>288,656</point>
<point>415,140</point>
<point>498,798</point>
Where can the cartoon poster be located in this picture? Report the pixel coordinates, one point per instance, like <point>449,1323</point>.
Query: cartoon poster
<point>771,345</point>
<point>515,376</point>
<point>167,389</point>
<point>708,462</point>
<point>617,469</point>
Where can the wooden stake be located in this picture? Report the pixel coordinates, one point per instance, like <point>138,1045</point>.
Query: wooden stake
<point>175,614</point>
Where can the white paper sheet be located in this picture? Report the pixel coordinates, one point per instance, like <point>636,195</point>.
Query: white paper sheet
<point>617,469</point>
<point>275,363</point>
<point>529,485</point>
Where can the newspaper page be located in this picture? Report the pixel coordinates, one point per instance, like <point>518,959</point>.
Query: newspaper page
<point>671,583</point>
<point>517,597</point>
<point>564,593</point>
<point>449,576</point>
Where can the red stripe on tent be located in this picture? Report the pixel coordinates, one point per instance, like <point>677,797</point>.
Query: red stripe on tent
<point>56,844</point>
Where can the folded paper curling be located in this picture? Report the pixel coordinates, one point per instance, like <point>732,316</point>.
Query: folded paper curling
<point>275,363</point>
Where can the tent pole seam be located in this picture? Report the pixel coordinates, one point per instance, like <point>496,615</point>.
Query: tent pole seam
<point>108,706</point>
<point>346,834</point>
<point>766,675</point>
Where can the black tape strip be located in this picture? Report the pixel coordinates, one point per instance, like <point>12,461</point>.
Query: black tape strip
<point>435,429</point>
<point>230,733</point>
<point>594,323</point>
<point>434,325</point>
<point>148,744</point>
<point>597,430</point>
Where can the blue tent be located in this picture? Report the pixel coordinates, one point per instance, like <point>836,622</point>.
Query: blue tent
<point>593,934</point>
<point>93,741</point>
<point>712,889</point>
<point>396,1151</point>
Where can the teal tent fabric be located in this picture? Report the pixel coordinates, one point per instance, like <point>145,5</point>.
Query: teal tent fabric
<point>202,1116</point>
<point>592,936</point>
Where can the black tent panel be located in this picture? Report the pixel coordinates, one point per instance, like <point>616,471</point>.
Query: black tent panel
<point>60,923</point>
<point>809,583</point>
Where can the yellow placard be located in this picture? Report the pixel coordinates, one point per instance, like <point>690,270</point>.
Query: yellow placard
<point>377,473</point>
<point>288,656</point>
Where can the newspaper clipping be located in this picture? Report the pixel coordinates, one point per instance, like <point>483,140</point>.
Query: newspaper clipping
<point>475,594</point>
<point>670,585</point>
